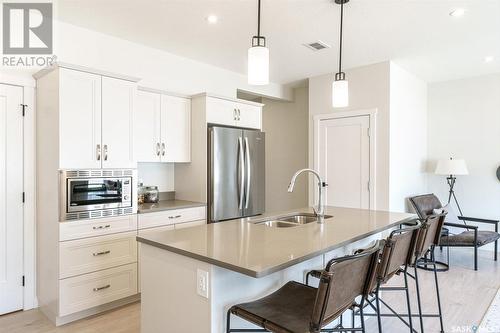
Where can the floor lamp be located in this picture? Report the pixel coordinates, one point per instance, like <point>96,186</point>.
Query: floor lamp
<point>452,168</point>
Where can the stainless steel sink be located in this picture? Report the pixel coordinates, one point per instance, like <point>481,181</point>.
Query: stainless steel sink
<point>277,224</point>
<point>291,220</point>
<point>302,218</point>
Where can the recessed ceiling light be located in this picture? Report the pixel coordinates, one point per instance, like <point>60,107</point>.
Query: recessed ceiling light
<point>458,12</point>
<point>212,19</point>
<point>489,58</point>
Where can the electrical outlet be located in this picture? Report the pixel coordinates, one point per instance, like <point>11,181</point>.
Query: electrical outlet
<point>202,283</point>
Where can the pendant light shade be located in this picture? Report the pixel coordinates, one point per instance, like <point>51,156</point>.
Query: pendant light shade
<point>340,86</point>
<point>340,93</point>
<point>258,58</point>
<point>258,65</point>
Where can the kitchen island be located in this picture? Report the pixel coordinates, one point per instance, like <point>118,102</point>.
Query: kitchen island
<point>190,277</point>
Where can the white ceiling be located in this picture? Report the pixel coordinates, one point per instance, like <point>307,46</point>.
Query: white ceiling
<point>418,34</point>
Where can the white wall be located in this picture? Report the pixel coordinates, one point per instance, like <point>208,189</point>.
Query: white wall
<point>157,174</point>
<point>286,130</point>
<point>408,138</point>
<point>464,122</point>
<point>368,89</point>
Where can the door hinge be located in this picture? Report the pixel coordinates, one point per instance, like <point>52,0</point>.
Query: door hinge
<point>24,197</point>
<point>23,281</point>
<point>24,106</point>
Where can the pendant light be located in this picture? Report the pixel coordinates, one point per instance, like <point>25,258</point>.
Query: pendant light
<point>258,58</point>
<point>340,86</point>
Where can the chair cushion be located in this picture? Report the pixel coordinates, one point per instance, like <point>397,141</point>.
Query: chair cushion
<point>288,309</point>
<point>466,238</point>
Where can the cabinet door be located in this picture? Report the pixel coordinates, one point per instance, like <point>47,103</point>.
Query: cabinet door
<point>118,99</point>
<point>249,116</point>
<point>220,111</point>
<point>147,127</point>
<point>80,120</point>
<point>176,129</point>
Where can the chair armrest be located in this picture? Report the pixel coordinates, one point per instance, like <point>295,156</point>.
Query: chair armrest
<point>475,219</point>
<point>463,226</point>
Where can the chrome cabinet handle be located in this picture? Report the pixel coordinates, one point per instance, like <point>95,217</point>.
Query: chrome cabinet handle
<point>234,114</point>
<point>249,172</point>
<point>102,288</point>
<point>96,254</point>
<point>239,114</point>
<point>105,152</point>
<point>242,172</point>
<point>98,152</point>
<point>157,149</point>
<point>163,149</point>
<point>101,227</point>
<point>175,217</point>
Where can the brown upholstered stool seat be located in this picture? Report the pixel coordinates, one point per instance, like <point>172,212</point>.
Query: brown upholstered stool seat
<point>466,238</point>
<point>286,310</point>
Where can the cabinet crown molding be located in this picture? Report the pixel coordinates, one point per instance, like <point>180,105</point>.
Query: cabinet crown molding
<point>236,100</point>
<point>49,69</point>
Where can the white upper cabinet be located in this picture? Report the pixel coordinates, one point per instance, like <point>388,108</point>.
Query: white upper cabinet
<point>176,129</point>
<point>95,119</point>
<point>80,119</point>
<point>147,127</point>
<point>118,99</point>
<point>231,113</point>
<point>162,128</point>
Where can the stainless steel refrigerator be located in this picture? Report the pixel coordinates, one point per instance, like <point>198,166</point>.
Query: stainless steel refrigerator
<point>236,173</point>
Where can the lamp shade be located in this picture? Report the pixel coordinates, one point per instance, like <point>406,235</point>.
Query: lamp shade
<point>258,65</point>
<point>451,167</point>
<point>340,93</point>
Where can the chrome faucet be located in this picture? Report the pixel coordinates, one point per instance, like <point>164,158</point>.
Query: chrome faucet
<point>320,211</point>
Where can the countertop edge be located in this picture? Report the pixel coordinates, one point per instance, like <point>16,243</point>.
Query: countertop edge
<point>165,209</point>
<point>274,269</point>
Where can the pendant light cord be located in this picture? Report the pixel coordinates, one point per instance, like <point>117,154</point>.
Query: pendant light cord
<point>341,28</point>
<point>258,21</point>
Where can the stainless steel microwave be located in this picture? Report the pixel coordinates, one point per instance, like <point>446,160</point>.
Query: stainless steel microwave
<point>87,194</point>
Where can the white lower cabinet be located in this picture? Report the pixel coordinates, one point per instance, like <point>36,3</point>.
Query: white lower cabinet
<point>89,290</point>
<point>98,227</point>
<point>92,254</point>
<point>170,217</point>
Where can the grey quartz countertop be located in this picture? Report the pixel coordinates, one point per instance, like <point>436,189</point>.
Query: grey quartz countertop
<point>163,205</point>
<point>257,250</point>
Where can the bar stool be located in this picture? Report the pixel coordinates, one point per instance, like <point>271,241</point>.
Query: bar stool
<point>427,240</point>
<point>298,308</point>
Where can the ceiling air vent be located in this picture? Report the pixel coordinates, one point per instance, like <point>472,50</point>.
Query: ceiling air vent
<point>317,46</point>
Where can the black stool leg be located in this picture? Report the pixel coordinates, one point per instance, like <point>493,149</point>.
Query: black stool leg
<point>437,295</point>
<point>228,321</point>
<point>361,306</point>
<point>377,303</point>
<point>353,318</point>
<point>418,299</point>
<point>408,298</point>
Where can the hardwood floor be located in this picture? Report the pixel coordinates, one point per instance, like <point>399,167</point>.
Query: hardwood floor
<point>465,295</point>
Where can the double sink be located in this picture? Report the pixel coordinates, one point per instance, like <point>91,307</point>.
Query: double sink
<point>291,220</point>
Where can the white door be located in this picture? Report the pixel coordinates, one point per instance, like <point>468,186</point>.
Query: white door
<point>80,119</point>
<point>344,160</point>
<point>147,127</point>
<point>176,129</point>
<point>118,99</point>
<point>11,205</point>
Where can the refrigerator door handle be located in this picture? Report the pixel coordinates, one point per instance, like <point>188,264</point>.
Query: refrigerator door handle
<point>249,172</point>
<point>241,167</point>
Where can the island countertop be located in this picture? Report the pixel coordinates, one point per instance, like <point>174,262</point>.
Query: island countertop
<point>257,250</point>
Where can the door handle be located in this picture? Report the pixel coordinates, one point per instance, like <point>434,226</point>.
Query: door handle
<point>249,172</point>
<point>105,152</point>
<point>239,114</point>
<point>157,149</point>
<point>163,149</point>
<point>102,288</point>
<point>242,172</point>
<point>235,116</point>
<point>98,152</point>
<point>96,254</point>
<point>101,227</point>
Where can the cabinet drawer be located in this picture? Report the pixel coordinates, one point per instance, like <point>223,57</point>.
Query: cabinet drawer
<point>97,227</point>
<point>91,254</point>
<point>169,217</point>
<point>90,290</point>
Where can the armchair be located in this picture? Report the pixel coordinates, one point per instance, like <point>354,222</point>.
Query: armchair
<point>472,236</point>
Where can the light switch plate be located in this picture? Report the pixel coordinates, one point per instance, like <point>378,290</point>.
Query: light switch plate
<point>202,283</point>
